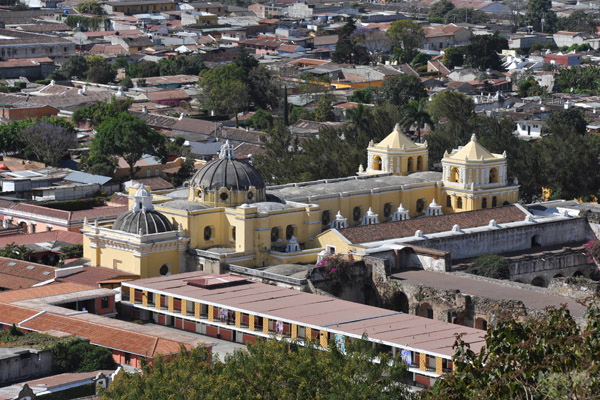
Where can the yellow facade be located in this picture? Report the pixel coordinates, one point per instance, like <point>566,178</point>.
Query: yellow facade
<point>231,222</point>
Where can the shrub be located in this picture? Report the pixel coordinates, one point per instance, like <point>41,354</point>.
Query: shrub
<point>491,266</point>
<point>75,355</point>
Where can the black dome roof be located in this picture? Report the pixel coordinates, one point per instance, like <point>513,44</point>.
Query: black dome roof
<point>144,220</point>
<point>227,173</point>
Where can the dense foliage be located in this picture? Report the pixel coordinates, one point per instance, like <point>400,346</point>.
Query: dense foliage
<point>349,49</point>
<point>405,37</point>
<point>579,79</point>
<point>93,68</point>
<point>549,357</point>
<point>269,369</point>
<point>17,252</point>
<point>491,266</point>
<point>76,355</point>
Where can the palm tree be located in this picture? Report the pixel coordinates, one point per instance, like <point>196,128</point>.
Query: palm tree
<point>415,113</point>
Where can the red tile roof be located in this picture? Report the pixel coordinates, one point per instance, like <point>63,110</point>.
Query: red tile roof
<point>428,225</point>
<point>162,95</point>
<point>92,276</point>
<point>45,211</point>
<point>16,274</point>
<point>52,289</point>
<point>52,236</point>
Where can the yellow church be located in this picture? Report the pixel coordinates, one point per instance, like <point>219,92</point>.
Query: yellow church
<point>228,215</point>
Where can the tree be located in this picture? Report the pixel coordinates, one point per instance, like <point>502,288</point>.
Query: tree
<point>48,142</point>
<point>547,357</point>
<point>17,252</point>
<point>261,120</point>
<point>454,107</point>
<point>324,110</point>
<point>400,89</point>
<point>348,50</point>
<point>454,57</point>
<point>270,369</point>
<point>126,136</point>
<point>482,52</point>
<point>469,15</point>
<point>99,70</point>
<point>191,64</point>
<point>491,266</point>
<point>96,113</point>
<point>415,114</point>
<point>405,37</point>
<point>75,66</point>
<point>144,69</point>
<point>278,164</point>
<point>538,10</point>
<point>10,141</point>
<point>75,355</point>
<point>420,59</point>
<point>365,95</point>
<point>264,90</point>
<point>440,8</point>
<point>90,7</point>
<point>565,123</point>
<point>374,42</point>
<point>578,21</point>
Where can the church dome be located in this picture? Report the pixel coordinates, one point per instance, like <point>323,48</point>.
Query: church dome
<point>227,172</point>
<point>142,218</point>
<point>143,221</point>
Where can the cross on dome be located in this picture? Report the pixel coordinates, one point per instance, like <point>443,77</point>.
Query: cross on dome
<point>227,151</point>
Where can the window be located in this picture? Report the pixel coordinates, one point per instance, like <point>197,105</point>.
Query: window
<point>356,213</point>
<point>164,270</point>
<point>208,233</point>
<point>448,201</point>
<point>326,217</point>
<point>157,172</point>
<point>224,196</point>
<point>148,172</point>
<point>421,205</point>
<point>459,203</point>
<point>274,234</point>
<point>233,233</point>
<point>289,232</point>
<point>250,195</point>
<point>104,302</point>
<point>330,249</point>
<point>387,210</point>
<point>494,201</point>
<point>484,203</point>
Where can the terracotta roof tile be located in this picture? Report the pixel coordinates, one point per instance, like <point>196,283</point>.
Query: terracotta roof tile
<point>41,291</point>
<point>10,314</point>
<point>45,211</point>
<point>16,274</point>
<point>52,236</point>
<point>92,276</point>
<point>428,225</point>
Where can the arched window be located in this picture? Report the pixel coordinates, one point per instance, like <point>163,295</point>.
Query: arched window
<point>454,174</point>
<point>274,234</point>
<point>157,172</point>
<point>387,210</point>
<point>421,205</point>
<point>207,233</point>
<point>325,217</point>
<point>233,233</point>
<point>356,214</point>
<point>493,175</point>
<point>484,202</point>
<point>420,166</point>
<point>459,202</point>
<point>148,172</point>
<point>494,201</point>
<point>377,163</point>
<point>224,196</point>
<point>449,201</point>
<point>410,164</point>
<point>289,232</point>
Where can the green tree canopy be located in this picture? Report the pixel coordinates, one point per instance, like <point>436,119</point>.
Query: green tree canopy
<point>415,114</point>
<point>75,66</point>
<point>99,70</point>
<point>565,123</point>
<point>366,95</point>
<point>348,50</point>
<point>90,7</point>
<point>96,113</point>
<point>491,266</point>
<point>75,355</point>
<point>578,21</point>
<point>440,8</point>
<point>261,119</point>
<point>143,69</point>
<point>405,37</point>
<point>548,357</point>
<point>269,369</point>
<point>324,110</point>
<point>482,52</point>
<point>49,142</point>
<point>469,15</point>
<point>538,10</point>
<point>400,89</point>
<point>454,57</point>
<point>126,136</point>
<point>17,252</point>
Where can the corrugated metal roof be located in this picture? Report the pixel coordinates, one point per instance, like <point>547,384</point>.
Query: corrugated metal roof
<point>83,177</point>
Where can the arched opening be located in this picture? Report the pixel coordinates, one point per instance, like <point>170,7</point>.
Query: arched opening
<point>207,233</point>
<point>411,165</point>
<point>289,232</point>
<point>274,234</point>
<point>459,203</point>
<point>454,174</point>
<point>23,226</point>
<point>539,281</point>
<point>494,175</point>
<point>558,276</point>
<point>425,310</point>
<point>484,202</point>
<point>577,273</point>
<point>387,210</point>
<point>377,163</point>
<point>506,203</point>
<point>420,166</point>
<point>536,241</point>
<point>399,302</point>
<point>404,258</point>
<point>326,217</point>
<point>356,214</point>
<point>421,205</point>
<point>481,323</point>
<point>449,201</point>
<point>494,201</point>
